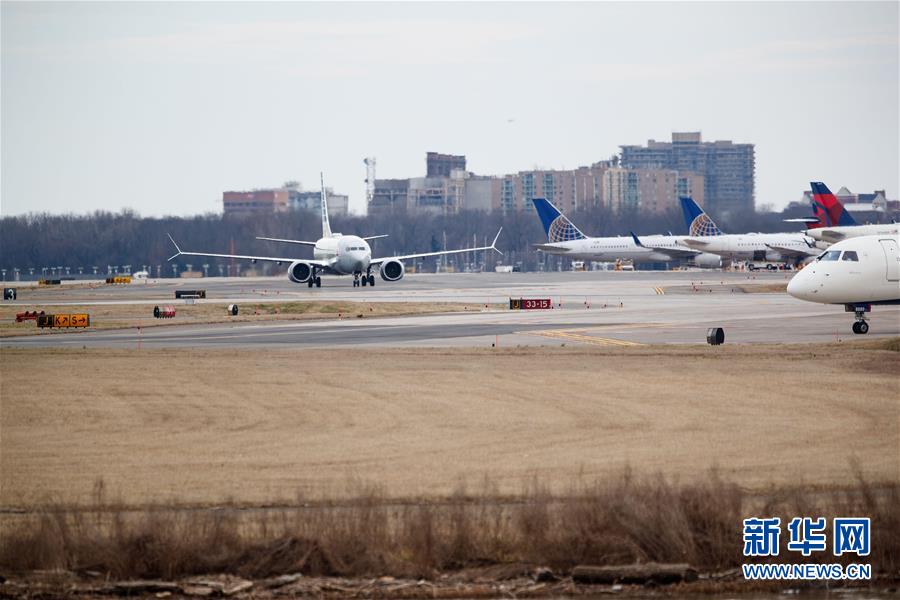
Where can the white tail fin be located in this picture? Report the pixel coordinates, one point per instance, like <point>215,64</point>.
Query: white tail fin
<point>326,226</point>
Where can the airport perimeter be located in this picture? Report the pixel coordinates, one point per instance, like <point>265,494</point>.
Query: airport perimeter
<point>616,375</point>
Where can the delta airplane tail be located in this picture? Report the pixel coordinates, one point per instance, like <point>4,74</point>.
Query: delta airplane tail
<point>825,201</point>
<point>698,222</point>
<point>557,227</point>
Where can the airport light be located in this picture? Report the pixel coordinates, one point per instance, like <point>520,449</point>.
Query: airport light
<point>4,273</point>
<point>95,269</point>
<point>221,270</point>
<point>206,269</point>
<point>31,271</point>
<point>81,270</point>
<point>174,270</point>
<point>188,267</point>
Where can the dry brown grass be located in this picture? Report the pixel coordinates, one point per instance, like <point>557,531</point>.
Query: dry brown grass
<point>619,520</point>
<point>204,426</point>
<point>123,316</point>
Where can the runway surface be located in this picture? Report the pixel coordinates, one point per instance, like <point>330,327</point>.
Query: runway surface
<point>595,308</point>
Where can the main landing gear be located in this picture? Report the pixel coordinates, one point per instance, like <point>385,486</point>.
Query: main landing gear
<point>363,280</point>
<point>860,326</point>
<point>314,280</point>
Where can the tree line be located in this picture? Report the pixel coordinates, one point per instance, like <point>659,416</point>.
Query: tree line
<point>105,239</point>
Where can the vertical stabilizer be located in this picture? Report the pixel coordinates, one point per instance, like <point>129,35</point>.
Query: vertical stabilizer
<point>698,222</point>
<point>326,225</point>
<point>557,227</point>
<point>837,214</point>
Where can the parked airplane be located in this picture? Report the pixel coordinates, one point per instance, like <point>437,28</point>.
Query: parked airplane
<point>337,254</point>
<point>563,238</point>
<point>795,247</point>
<point>839,224</point>
<point>857,272</point>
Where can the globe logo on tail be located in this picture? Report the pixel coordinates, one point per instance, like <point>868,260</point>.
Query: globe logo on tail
<point>562,230</point>
<point>703,226</point>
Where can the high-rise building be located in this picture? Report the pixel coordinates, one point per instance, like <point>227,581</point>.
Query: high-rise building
<point>649,191</point>
<point>727,168</point>
<point>255,202</point>
<point>338,204</point>
<point>569,190</point>
<point>389,195</point>
<point>442,165</point>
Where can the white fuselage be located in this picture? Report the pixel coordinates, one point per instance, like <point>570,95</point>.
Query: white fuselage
<point>610,249</point>
<point>750,246</point>
<point>345,254</point>
<point>859,270</point>
<point>833,234</point>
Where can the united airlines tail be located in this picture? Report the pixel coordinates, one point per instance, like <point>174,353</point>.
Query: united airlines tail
<point>326,225</point>
<point>557,227</point>
<point>698,222</point>
<point>825,201</point>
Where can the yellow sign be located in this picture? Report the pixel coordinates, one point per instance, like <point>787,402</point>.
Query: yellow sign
<point>79,320</point>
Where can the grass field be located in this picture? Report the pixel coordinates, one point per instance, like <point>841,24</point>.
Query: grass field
<point>200,427</point>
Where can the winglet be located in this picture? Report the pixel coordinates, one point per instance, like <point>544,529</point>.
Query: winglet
<point>176,248</point>
<point>637,242</point>
<point>494,243</point>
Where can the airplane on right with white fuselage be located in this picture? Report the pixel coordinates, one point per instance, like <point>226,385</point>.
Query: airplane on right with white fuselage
<point>857,272</point>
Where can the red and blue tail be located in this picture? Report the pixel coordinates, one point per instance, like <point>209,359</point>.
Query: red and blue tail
<point>827,206</point>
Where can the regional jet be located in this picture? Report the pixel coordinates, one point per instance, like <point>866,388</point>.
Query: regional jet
<point>337,254</point>
<point>857,272</point>
<point>563,238</point>
<point>794,247</point>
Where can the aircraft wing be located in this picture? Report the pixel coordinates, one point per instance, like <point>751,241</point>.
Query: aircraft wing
<point>786,251</point>
<point>681,253</point>
<point>830,235</point>
<point>493,246</point>
<point>551,248</point>
<point>275,259</point>
<point>304,243</point>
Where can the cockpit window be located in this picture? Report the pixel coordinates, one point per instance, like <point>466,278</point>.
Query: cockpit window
<point>850,255</point>
<point>830,255</point>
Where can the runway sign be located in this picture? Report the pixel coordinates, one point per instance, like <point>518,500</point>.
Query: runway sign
<point>120,279</point>
<point>64,321</point>
<point>190,294</point>
<point>530,304</point>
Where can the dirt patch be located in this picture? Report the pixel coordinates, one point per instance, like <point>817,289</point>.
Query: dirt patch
<point>204,426</point>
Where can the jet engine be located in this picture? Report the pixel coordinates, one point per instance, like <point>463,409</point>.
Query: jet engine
<point>392,270</point>
<point>708,260</point>
<point>299,272</point>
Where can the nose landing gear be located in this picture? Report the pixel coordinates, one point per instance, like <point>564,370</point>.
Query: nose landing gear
<point>860,326</point>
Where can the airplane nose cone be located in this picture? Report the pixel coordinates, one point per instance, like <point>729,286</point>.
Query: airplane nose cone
<point>801,285</point>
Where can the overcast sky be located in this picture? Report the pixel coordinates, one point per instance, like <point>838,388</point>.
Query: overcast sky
<point>159,107</point>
